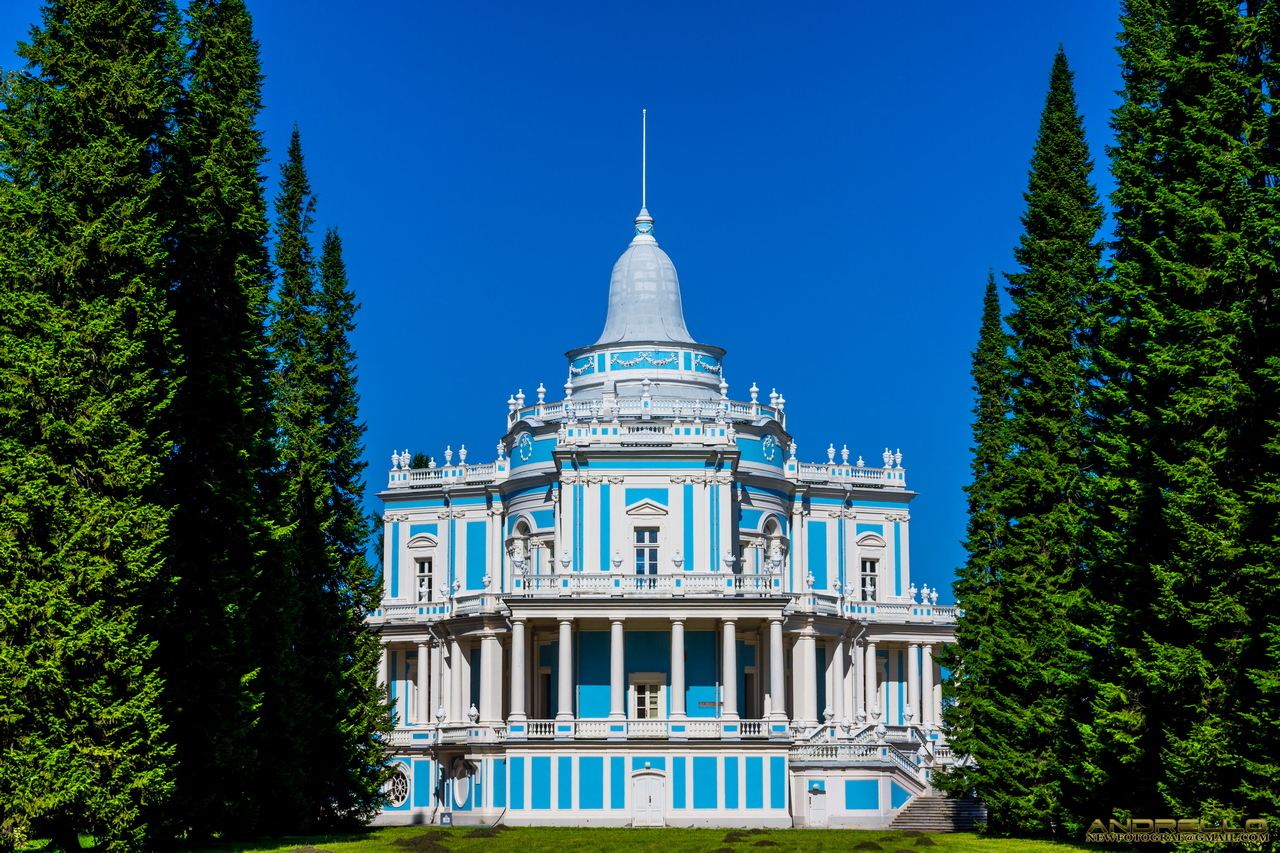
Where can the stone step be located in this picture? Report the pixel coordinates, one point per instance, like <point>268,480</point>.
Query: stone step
<point>940,814</point>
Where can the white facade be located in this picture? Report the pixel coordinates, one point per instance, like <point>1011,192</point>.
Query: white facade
<point>647,611</point>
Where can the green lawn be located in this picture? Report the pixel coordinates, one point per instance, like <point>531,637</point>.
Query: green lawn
<point>560,839</point>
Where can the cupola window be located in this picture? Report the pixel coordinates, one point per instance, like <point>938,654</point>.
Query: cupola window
<point>869,579</point>
<point>425,580</point>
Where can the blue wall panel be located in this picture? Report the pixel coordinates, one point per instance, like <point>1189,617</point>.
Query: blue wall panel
<point>605,546</point>
<point>898,796</point>
<point>473,658</point>
<point>821,657</point>
<point>700,672</point>
<point>730,781</point>
<point>617,782</point>
<point>632,496</point>
<point>647,651</point>
<point>549,656</point>
<point>500,782</point>
<point>897,558</point>
<point>688,528</point>
<point>591,782</point>
<point>777,782</point>
<point>749,519</point>
<point>655,762</point>
<point>517,782</point>
<point>565,782</point>
<point>395,559</point>
<point>755,782</point>
<point>593,673</point>
<point>415,529</point>
<point>704,782</point>
<point>421,783</point>
<point>862,794</point>
<point>541,782</point>
<point>818,553</point>
<point>877,529</point>
<point>677,782</point>
<point>477,546</point>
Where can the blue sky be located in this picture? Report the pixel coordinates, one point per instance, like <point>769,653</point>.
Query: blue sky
<point>831,179</point>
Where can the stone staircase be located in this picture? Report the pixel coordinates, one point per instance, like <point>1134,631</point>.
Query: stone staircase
<point>940,814</point>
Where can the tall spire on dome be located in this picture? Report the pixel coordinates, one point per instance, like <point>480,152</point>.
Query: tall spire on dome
<point>644,292</point>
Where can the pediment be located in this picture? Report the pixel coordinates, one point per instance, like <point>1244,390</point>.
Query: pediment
<point>871,541</point>
<point>422,540</point>
<point>647,508</point>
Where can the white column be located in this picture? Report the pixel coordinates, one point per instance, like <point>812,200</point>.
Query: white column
<point>837,678</point>
<point>859,682</point>
<point>490,679</point>
<point>810,679</point>
<point>617,671</point>
<point>797,681</point>
<point>777,698</point>
<point>423,716</point>
<point>677,670</point>
<point>518,669</point>
<point>729,710</point>
<point>913,682</point>
<point>457,710</point>
<point>565,693</point>
<point>437,679</point>
<point>930,713</point>
<point>872,692</point>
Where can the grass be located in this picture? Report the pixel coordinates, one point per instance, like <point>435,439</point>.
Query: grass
<point>539,839</point>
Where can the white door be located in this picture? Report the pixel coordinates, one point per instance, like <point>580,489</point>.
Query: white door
<point>648,798</point>
<point>817,808</point>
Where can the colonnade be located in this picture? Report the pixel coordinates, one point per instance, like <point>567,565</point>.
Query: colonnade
<point>856,686</point>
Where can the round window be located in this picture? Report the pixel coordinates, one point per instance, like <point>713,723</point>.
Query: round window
<point>398,787</point>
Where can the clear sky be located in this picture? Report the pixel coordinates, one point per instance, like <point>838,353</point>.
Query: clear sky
<point>832,181</point>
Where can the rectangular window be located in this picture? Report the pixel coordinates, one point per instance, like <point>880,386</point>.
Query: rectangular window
<point>425,580</point>
<point>648,701</point>
<point>646,550</point>
<point>869,580</point>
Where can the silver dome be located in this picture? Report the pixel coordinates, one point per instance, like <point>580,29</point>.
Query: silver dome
<point>644,293</point>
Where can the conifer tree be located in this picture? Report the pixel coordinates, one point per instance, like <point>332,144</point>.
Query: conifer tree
<point>86,375</point>
<point>348,750</point>
<point>975,657</point>
<point>217,479</point>
<point>288,683</point>
<point>1184,569</point>
<point>1024,748</point>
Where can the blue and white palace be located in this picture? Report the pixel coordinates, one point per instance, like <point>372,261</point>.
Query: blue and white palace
<point>647,611</point>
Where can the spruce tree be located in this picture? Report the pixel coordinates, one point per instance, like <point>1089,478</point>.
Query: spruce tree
<point>349,748</point>
<point>1184,569</point>
<point>1024,749</point>
<point>975,658</point>
<point>86,376</point>
<point>289,717</point>
<point>217,478</point>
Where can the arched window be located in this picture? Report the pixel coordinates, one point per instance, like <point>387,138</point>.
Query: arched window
<point>422,549</point>
<point>775,546</point>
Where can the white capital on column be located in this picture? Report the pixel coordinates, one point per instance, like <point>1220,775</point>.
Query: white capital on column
<point>677,669</point>
<point>423,716</point>
<point>565,665</point>
<point>872,692</point>
<point>776,675</point>
<point>729,710</point>
<point>617,675</point>
<point>518,666</point>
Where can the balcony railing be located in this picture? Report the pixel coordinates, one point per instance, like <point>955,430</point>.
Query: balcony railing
<point>623,584</point>
<point>857,752</point>
<point>687,729</point>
